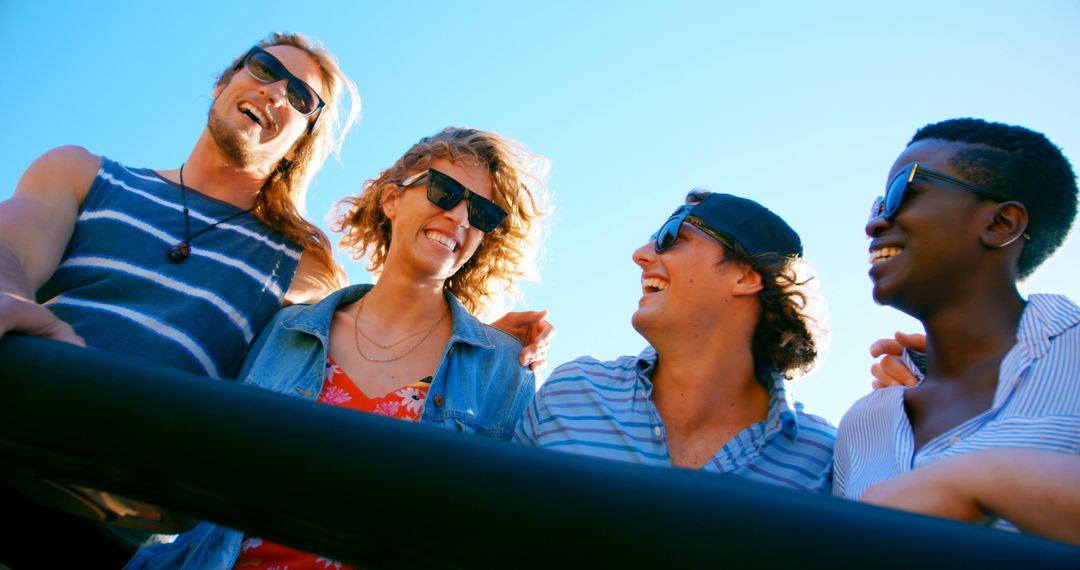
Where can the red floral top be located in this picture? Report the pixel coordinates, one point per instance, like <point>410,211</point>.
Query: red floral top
<point>406,403</point>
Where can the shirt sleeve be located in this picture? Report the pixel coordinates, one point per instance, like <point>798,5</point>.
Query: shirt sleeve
<point>525,431</point>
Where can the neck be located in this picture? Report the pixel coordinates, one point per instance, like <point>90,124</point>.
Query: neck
<point>975,327</point>
<point>212,173</point>
<point>395,304</point>
<point>701,382</point>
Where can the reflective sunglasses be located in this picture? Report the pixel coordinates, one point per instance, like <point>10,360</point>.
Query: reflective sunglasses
<point>887,206</point>
<point>668,233</point>
<point>266,68</point>
<point>445,192</point>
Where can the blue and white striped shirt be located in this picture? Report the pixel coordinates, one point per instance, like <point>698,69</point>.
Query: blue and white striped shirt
<point>1036,405</point>
<point>605,410</point>
<point>117,288</point>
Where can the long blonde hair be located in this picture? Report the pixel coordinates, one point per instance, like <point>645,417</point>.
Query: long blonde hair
<point>280,203</point>
<point>505,255</point>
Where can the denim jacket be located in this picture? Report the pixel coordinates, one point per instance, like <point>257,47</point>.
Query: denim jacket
<point>478,388</point>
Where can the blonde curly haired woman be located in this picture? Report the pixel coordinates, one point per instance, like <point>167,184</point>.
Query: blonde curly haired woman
<point>449,228</point>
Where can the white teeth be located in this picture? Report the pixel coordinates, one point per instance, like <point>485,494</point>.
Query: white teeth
<point>653,283</point>
<point>441,240</point>
<point>265,121</point>
<point>881,254</point>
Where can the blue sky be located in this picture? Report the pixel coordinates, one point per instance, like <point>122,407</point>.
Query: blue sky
<point>802,106</point>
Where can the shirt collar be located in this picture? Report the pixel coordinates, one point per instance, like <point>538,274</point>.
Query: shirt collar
<point>315,319</point>
<point>1045,317</point>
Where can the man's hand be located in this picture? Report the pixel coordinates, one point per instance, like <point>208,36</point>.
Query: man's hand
<point>21,315</point>
<point>533,331</point>
<point>890,370</point>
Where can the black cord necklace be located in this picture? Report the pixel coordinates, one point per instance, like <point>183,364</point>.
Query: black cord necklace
<point>182,250</point>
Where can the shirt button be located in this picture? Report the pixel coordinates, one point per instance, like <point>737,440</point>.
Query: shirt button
<point>656,430</point>
<point>438,400</point>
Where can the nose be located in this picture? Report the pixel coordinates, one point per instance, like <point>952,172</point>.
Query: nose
<point>876,225</point>
<point>275,91</point>
<point>459,214</point>
<point>645,255</point>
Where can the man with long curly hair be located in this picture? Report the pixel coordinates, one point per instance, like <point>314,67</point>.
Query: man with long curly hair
<point>181,266</point>
<point>728,320</point>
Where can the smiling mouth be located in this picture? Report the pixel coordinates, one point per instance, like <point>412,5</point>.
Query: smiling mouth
<point>884,254</point>
<point>441,240</point>
<point>257,116</point>
<point>653,285</point>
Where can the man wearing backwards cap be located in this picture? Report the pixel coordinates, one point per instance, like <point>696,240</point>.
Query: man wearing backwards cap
<point>725,316</point>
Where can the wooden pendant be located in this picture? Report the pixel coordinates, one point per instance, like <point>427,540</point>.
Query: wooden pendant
<point>179,252</point>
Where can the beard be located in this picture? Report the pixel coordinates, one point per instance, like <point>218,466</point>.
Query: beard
<point>232,143</point>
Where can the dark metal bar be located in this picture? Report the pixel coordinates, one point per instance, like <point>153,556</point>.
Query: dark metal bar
<point>381,492</point>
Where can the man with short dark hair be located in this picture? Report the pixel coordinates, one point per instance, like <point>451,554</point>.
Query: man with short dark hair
<point>971,207</point>
<point>727,319</point>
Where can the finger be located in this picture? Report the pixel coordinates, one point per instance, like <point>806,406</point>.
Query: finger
<point>913,341</point>
<point>544,333</point>
<point>885,346</point>
<point>893,369</point>
<point>65,333</point>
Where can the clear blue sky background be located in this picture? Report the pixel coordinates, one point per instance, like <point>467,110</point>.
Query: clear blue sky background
<point>800,105</point>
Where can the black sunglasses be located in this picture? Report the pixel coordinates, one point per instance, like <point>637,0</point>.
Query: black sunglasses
<point>668,233</point>
<point>887,206</point>
<point>266,68</point>
<point>445,192</point>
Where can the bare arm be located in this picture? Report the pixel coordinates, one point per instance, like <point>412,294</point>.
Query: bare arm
<point>35,226</point>
<point>1038,491</point>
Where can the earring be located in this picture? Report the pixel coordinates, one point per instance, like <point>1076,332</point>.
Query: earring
<point>1016,237</point>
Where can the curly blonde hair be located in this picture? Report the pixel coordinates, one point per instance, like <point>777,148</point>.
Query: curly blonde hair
<point>504,256</point>
<point>280,203</point>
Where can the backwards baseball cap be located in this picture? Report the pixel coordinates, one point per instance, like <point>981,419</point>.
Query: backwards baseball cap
<point>732,219</point>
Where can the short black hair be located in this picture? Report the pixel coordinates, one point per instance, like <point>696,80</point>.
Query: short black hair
<point>1022,165</point>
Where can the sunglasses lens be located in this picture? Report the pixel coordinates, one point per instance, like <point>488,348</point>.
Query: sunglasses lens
<point>667,235</point>
<point>484,214</point>
<point>268,69</point>
<point>894,194</point>
<point>264,67</point>
<point>877,209</point>
<point>300,97</point>
<point>443,191</point>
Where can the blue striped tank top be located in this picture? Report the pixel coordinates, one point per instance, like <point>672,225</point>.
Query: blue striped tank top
<point>118,289</point>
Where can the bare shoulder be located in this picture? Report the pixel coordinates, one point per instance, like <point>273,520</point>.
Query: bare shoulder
<point>62,171</point>
<point>312,282</point>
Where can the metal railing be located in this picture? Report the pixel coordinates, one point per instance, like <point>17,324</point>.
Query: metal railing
<point>378,492</point>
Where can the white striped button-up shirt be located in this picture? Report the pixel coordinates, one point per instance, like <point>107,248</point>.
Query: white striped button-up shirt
<point>1036,405</point>
<point>605,410</point>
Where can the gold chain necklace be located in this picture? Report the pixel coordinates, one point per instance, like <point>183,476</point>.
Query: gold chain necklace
<point>360,333</point>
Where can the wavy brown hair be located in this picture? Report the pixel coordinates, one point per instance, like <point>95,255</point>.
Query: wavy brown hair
<point>505,255</point>
<point>280,203</point>
<point>787,332</point>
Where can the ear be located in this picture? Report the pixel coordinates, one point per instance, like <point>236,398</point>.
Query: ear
<point>749,282</point>
<point>217,90</point>
<point>1008,225</point>
<point>389,201</point>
